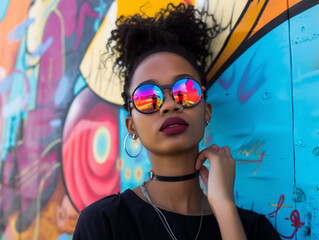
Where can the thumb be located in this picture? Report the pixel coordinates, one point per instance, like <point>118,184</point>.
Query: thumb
<point>203,171</point>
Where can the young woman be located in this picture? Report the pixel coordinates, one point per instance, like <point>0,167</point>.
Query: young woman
<point>166,57</point>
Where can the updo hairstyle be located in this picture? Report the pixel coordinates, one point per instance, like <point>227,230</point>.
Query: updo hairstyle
<point>178,29</point>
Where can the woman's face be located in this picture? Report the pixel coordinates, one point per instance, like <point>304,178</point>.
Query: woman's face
<point>164,68</point>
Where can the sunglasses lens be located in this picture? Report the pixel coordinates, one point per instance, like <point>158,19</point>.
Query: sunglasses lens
<point>187,92</point>
<point>148,98</point>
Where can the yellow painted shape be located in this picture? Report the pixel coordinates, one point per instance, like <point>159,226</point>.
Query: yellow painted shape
<point>100,159</point>
<point>138,173</point>
<point>150,7</point>
<point>273,8</point>
<point>226,14</point>
<point>40,11</point>
<point>276,205</point>
<point>100,78</point>
<point>239,34</point>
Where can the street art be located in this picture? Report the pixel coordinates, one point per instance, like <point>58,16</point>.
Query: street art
<point>294,218</point>
<point>63,127</point>
<point>90,149</point>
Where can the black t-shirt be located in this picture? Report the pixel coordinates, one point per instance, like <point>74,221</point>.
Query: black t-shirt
<point>126,216</point>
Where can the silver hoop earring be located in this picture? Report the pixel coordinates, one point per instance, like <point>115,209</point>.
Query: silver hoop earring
<point>207,123</point>
<point>134,138</point>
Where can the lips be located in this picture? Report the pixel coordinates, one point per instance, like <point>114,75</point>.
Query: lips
<point>174,126</point>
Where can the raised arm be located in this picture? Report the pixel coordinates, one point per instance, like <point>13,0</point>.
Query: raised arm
<point>219,181</point>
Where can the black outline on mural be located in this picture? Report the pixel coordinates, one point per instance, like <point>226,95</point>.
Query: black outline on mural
<point>284,16</point>
<point>230,34</point>
<point>239,50</point>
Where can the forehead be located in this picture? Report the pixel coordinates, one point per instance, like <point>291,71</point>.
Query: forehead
<point>162,67</point>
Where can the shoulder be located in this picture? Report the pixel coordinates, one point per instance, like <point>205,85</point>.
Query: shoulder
<point>256,225</point>
<point>104,204</point>
<point>107,206</point>
<point>95,221</point>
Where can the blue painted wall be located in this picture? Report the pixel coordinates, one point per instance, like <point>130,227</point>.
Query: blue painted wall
<point>62,126</point>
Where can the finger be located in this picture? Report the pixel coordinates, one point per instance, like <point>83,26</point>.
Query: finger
<point>204,174</point>
<point>213,147</point>
<point>203,155</point>
<point>226,150</point>
<point>229,150</point>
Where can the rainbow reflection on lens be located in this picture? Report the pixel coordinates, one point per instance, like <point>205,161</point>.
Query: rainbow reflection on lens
<point>148,98</point>
<point>187,92</point>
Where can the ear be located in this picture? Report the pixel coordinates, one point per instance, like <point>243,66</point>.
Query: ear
<point>208,112</point>
<point>130,125</point>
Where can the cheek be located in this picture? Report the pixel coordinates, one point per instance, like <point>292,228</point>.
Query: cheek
<point>146,133</point>
<point>199,121</point>
<point>144,125</point>
<point>199,128</point>
<point>200,113</point>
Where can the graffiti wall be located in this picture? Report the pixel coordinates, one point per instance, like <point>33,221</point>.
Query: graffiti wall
<point>62,126</point>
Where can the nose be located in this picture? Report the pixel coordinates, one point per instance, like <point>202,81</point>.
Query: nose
<point>169,104</point>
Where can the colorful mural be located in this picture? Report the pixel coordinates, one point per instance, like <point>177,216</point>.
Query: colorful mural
<point>62,125</point>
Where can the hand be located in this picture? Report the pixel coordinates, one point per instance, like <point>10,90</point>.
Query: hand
<point>220,178</point>
<point>219,181</point>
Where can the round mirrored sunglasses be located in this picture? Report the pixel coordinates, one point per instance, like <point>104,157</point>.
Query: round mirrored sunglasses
<point>148,97</point>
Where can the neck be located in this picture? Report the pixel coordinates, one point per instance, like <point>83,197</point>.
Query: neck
<point>183,196</point>
<point>174,164</point>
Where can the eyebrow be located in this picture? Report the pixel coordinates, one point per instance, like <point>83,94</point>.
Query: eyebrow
<point>175,78</point>
<point>179,76</point>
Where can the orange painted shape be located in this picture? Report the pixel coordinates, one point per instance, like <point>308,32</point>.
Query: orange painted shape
<point>16,13</point>
<point>51,226</point>
<point>239,34</point>
<point>273,9</point>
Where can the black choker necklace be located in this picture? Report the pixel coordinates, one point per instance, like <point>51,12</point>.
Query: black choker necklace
<point>153,176</point>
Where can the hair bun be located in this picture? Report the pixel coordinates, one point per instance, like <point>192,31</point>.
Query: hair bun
<point>172,26</point>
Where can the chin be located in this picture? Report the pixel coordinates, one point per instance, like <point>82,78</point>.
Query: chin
<point>174,149</point>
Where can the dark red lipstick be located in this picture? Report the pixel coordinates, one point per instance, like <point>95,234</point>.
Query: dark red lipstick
<point>174,126</point>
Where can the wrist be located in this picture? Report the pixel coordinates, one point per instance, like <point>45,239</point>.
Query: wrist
<point>228,219</point>
<point>220,201</point>
<point>222,204</point>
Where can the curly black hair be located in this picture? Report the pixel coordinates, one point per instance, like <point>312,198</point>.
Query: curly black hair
<point>173,26</point>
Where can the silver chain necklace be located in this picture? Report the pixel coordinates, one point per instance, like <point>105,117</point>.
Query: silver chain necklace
<point>163,218</point>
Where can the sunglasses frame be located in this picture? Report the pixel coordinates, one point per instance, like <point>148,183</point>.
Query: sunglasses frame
<point>163,87</point>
